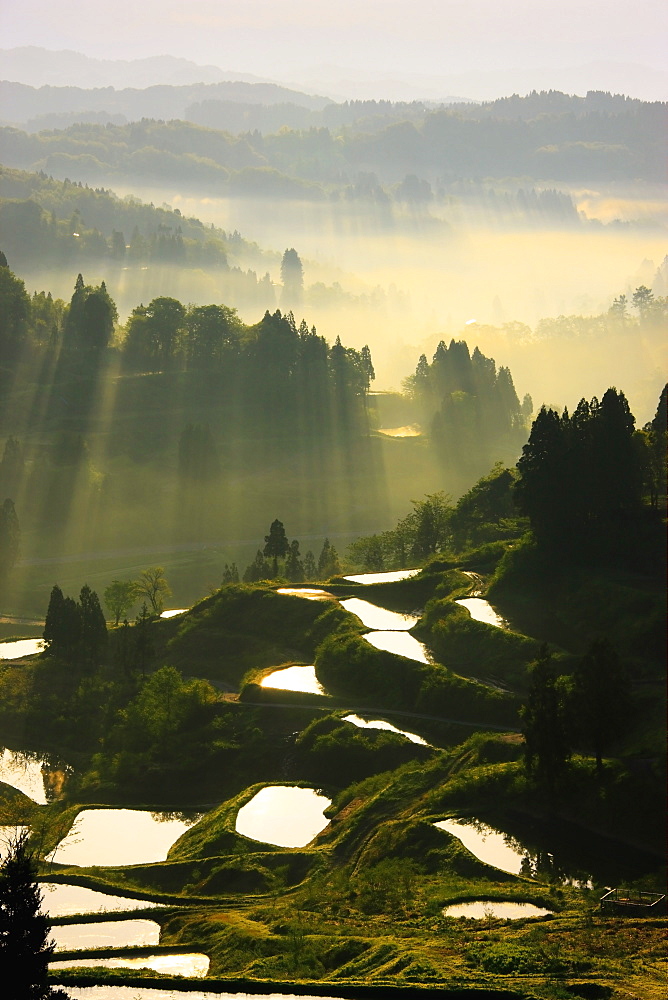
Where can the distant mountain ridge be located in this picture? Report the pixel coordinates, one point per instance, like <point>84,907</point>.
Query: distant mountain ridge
<point>39,67</point>
<point>21,102</point>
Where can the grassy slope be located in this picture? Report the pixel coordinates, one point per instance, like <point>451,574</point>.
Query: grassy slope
<point>330,912</point>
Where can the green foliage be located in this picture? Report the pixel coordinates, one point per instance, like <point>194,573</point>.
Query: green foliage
<point>119,597</point>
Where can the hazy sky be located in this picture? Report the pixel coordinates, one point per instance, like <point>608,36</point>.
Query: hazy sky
<point>392,37</point>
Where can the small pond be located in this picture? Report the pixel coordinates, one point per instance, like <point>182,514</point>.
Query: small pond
<point>400,574</point>
<point>146,993</point>
<point>479,909</point>
<point>400,643</point>
<point>120,837</point>
<point>174,613</point>
<point>381,724</point>
<point>106,934</point>
<point>284,815</point>
<point>378,618</point>
<point>63,900</point>
<point>190,964</point>
<point>20,647</point>
<point>35,776</point>
<point>310,593</point>
<point>294,679</point>
<point>482,611</point>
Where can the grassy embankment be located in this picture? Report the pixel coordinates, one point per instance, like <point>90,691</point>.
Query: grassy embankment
<point>362,904</point>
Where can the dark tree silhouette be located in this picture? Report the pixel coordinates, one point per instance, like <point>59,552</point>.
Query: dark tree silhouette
<point>544,725</point>
<point>602,698</point>
<point>25,948</point>
<point>276,544</point>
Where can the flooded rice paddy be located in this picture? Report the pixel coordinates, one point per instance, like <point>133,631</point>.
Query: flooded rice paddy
<point>381,724</point>
<point>375,617</point>
<point>119,837</point>
<point>400,643</point>
<point>283,815</point>
<point>482,611</point>
<point>106,934</point>
<point>191,964</point>
<point>294,679</point>
<point>63,900</point>
<point>20,647</point>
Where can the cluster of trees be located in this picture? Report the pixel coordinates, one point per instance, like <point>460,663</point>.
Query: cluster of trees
<point>589,709</point>
<point>621,142</point>
<point>152,587</point>
<point>280,360</point>
<point>471,408</point>
<point>585,478</point>
<point>75,630</point>
<point>280,557</point>
<point>485,513</point>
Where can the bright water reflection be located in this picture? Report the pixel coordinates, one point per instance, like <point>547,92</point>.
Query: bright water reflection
<point>20,647</point>
<point>400,643</point>
<point>407,431</point>
<point>25,773</point>
<point>378,618</point>
<point>478,909</point>
<point>381,724</point>
<point>400,574</point>
<point>119,837</point>
<point>482,611</point>
<point>310,593</point>
<point>192,964</point>
<point>487,844</point>
<point>284,815</point>
<point>294,679</point>
<point>61,900</point>
<point>146,993</point>
<point>106,934</point>
<point>172,614</point>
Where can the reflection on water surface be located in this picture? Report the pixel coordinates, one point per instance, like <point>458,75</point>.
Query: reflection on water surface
<point>193,964</point>
<point>310,593</point>
<point>482,611</point>
<point>487,844</point>
<point>119,837</point>
<point>146,993</point>
<point>400,643</point>
<point>399,574</point>
<point>26,772</point>
<point>378,618</point>
<point>381,724</point>
<point>63,900</point>
<point>478,909</point>
<point>294,679</point>
<point>284,815</point>
<point>20,647</point>
<point>106,934</point>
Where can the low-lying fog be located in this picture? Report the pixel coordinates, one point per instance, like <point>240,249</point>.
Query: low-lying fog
<point>408,280</point>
